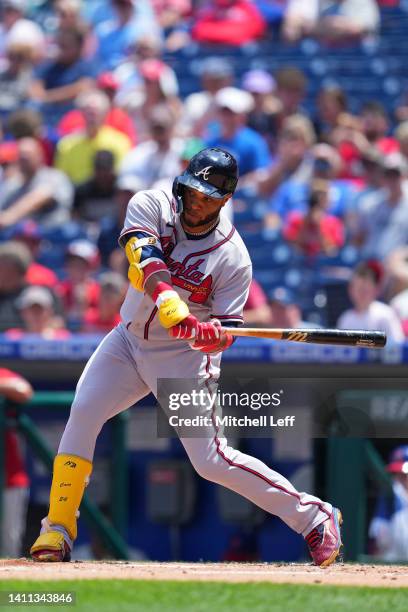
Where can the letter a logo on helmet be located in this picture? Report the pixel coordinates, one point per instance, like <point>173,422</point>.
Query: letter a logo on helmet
<point>204,173</point>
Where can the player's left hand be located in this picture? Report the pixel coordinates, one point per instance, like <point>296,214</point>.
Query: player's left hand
<point>210,338</point>
<point>186,330</point>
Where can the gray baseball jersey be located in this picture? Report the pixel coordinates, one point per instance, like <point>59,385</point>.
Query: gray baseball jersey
<point>212,275</point>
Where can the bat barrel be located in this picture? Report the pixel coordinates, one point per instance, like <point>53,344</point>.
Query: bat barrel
<point>369,339</point>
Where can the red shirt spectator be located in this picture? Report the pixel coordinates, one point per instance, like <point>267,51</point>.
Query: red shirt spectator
<point>229,22</point>
<point>106,316</point>
<point>315,231</point>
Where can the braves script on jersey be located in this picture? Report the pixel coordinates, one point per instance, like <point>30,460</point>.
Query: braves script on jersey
<point>212,275</point>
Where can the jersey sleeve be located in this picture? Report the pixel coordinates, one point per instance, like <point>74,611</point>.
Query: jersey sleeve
<point>230,298</point>
<point>143,215</point>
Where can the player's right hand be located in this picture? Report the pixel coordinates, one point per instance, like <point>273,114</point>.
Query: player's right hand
<point>172,309</point>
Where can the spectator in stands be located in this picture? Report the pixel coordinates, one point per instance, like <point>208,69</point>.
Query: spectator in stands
<point>249,148</point>
<point>384,224</point>
<point>228,22</point>
<point>397,270</point>
<point>67,15</point>
<point>111,254</point>
<point>79,291</point>
<point>116,117</point>
<point>105,316</point>
<point>75,152</point>
<point>36,305</point>
<point>37,192</point>
<point>291,85</point>
<point>375,127</point>
<point>16,30</point>
<point>18,390</point>
<point>367,312</point>
<point>15,78</point>
<point>293,159</point>
<point>93,199</point>
<point>257,310</point>
<point>332,21</point>
<point>58,82</point>
<point>285,310</point>
<point>28,123</point>
<point>200,109</point>
<point>315,232</point>
<point>331,104</point>
<point>157,158</point>
<point>369,196</point>
<point>293,194</point>
<point>389,527</point>
<point>128,22</point>
<point>261,85</point>
<point>158,85</point>
<point>14,261</point>
<point>30,234</point>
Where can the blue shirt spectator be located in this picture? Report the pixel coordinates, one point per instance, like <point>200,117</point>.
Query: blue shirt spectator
<point>118,34</point>
<point>57,83</point>
<point>248,147</point>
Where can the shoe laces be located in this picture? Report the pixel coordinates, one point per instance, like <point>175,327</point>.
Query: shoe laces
<point>315,537</point>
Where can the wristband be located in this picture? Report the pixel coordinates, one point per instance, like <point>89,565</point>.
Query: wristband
<point>161,287</point>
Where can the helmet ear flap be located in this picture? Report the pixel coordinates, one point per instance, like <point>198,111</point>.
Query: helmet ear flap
<point>178,191</point>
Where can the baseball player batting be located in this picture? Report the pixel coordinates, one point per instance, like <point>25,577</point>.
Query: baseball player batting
<point>189,271</point>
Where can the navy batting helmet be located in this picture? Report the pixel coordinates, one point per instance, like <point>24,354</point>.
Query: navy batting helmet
<point>211,171</point>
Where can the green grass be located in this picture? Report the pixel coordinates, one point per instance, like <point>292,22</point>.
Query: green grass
<point>169,596</point>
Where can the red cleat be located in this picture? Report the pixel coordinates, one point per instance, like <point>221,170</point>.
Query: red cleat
<point>324,541</point>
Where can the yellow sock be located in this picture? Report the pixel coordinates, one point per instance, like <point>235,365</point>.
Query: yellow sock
<point>70,477</point>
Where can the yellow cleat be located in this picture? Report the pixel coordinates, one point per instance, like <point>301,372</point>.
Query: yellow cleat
<point>50,547</point>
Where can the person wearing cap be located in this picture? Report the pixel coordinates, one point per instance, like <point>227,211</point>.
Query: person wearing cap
<point>36,305</point>
<point>36,192</point>
<point>79,290</point>
<point>228,22</point>
<point>127,22</point>
<point>384,224</point>
<point>247,146</point>
<point>200,109</point>
<point>368,312</point>
<point>388,530</point>
<point>75,153</point>
<point>157,158</point>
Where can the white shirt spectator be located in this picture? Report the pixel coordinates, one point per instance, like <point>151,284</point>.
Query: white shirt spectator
<point>150,164</point>
<point>377,317</point>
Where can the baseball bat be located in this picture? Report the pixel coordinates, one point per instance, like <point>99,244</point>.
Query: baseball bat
<point>344,337</point>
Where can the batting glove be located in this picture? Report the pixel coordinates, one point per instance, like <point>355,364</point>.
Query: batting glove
<point>210,338</point>
<point>186,330</point>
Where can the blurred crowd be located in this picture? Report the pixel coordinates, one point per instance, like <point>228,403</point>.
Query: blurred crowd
<point>91,112</point>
